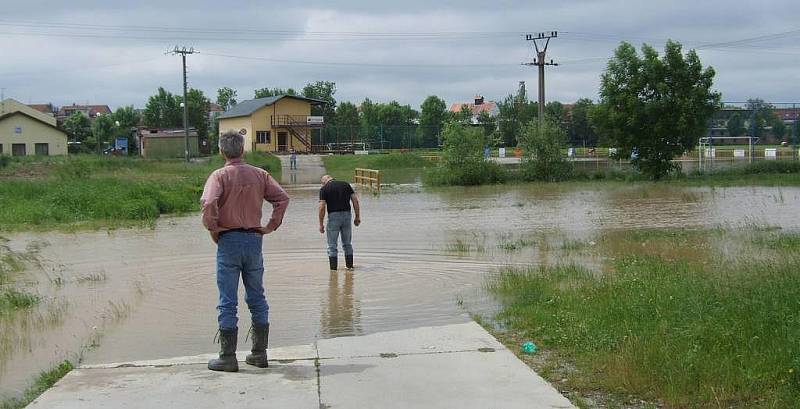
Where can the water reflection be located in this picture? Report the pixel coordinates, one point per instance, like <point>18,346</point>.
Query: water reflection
<point>341,313</point>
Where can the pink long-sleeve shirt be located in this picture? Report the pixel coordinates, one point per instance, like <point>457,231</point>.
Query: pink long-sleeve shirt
<point>233,196</point>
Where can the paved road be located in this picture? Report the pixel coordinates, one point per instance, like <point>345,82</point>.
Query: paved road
<point>453,366</point>
<point>309,170</point>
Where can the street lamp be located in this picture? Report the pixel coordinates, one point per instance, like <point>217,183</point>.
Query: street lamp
<point>97,137</point>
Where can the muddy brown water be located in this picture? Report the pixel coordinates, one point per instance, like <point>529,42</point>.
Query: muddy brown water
<point>422,258</point>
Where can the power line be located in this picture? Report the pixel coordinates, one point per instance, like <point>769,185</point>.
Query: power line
<point>358,64</point>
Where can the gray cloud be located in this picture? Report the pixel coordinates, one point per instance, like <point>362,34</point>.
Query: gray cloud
<point>100,63</point>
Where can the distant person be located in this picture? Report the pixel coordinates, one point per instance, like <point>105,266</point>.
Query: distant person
<point>335,196</point>
<point>487,152</point>
<point>231,201</point>
<point>292,159</point>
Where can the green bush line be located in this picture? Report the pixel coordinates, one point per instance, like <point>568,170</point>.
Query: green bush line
<point>97,191</point>
<point>43,382</point>
<point>685,332</point>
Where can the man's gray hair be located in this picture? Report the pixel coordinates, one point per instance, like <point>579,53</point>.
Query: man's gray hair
<point>231,143</point>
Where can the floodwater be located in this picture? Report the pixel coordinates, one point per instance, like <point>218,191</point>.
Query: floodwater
<point>422,258</point>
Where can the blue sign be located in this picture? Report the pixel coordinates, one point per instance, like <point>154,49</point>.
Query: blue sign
<point>18,129</point>
<point>121,145</point>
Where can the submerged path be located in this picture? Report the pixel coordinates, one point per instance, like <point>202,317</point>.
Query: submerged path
<point>452,366</point>
<point>309,170</point>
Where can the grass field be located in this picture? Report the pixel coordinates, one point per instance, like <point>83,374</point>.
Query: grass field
<point>679,318</point>
<point>89,191</point>
<point>341,166</point>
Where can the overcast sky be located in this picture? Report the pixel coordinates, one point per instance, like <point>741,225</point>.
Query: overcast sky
<point>103,53</point>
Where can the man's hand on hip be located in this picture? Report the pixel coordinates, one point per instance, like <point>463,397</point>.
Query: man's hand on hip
<point>214,236</point>
<point>265,230</point>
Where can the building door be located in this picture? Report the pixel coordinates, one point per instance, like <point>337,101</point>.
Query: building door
<point>18,149</point>
<point>282,137</point>
<point>42,149</point>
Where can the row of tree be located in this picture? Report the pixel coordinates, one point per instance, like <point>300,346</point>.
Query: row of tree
<point>754,120</point>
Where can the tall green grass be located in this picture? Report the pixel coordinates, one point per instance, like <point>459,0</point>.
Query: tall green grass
<point>342,166</point>
<point>103,191</point>
<point>688,331</point>
<point>43,382</point>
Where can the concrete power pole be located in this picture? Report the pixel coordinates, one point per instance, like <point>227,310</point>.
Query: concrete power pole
<point>183,52</point>
<point>540,42</point>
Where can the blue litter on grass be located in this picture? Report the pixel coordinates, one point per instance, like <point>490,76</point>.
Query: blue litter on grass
<point>529,347</point>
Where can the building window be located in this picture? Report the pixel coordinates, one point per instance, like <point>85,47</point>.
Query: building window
<point>18,149</point>
<point>262,137</point>
<point>42,149</point>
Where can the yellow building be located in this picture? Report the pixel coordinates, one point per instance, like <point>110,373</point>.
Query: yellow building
<point>274,124</point>
<point>26,131</point>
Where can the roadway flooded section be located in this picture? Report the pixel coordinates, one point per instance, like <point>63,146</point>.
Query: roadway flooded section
<point>422,258</point>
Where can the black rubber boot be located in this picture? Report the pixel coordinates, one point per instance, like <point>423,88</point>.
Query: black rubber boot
<point>348,260</point>
<point>227,354</point>
<point>260,343</point>
<point>334,262</point>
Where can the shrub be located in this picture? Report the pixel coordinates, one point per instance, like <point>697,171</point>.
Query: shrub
<point>542,160</point>
<point>462,161</point>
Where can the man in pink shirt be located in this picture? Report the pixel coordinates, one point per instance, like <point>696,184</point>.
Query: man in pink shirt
<point>232,200</point>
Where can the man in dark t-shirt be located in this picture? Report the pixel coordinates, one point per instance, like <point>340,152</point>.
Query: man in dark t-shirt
<point>335,197</point>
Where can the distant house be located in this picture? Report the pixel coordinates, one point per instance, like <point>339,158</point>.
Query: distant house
<point>160,143</point>
<point>89,110</point>
<point>478,106</point>
<point>47,109</point>
<point>274,124</point>
<point>26,131</point>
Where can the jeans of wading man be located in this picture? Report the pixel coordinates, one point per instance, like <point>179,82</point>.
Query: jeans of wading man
<point>339,223</point>
<point>240,253</point>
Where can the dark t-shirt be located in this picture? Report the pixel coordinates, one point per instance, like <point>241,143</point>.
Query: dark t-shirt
<point>336,195</point>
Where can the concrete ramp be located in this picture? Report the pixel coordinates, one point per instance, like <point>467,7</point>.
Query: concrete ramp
<point>309,170</point>
<point>453,366</point>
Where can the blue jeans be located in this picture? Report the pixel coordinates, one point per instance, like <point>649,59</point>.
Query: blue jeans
<point>293,162</point>
<point>240,253</point>
<point>339,223</point>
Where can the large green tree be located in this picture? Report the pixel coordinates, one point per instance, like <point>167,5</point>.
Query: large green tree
<point>226,98</point>
<point>735,125</point>
<point>103,130</point>
<point>128,120</point>
<point>579,127</point>
<point>760,116</point>
<point>431,119</point>
<point>347,123</point>
<point>78,126</point>
<point>658,105</point>
<point>163,110</point>
<point>323,90</point>
<point>197,111</point>
<point>489,125</point>
<point>273,92</point>
<point>778,129</point>
<point>127,117</point>
<point>515,112</point>
<point>556,113</point>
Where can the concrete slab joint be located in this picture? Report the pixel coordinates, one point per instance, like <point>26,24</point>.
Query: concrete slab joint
<point>450,366</point>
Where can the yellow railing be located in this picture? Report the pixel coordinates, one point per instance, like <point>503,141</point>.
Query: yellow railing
<point>368,177</point>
